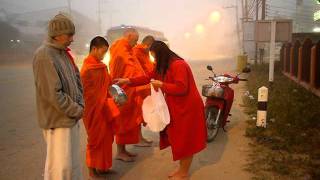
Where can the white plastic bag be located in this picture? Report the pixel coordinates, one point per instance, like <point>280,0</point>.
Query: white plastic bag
<point>155,111</point>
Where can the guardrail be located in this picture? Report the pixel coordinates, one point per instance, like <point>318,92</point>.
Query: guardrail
<point>301,63</point>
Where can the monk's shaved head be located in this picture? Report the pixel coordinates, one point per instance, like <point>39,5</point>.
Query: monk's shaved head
<point>148,40</point>
<point>130,31</point>
<point>131,35</point>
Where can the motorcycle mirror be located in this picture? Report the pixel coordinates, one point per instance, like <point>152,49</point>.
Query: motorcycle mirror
<point>209,68</point>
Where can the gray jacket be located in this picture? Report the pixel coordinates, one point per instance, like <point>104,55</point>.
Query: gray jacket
<point>59,93</point>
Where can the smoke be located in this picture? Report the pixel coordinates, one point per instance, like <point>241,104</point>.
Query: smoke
<point>212,36</point>
<point>196,30</point>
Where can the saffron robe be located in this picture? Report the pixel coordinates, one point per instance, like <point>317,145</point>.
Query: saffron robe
<point>99,113</point>
<point>123,64</point>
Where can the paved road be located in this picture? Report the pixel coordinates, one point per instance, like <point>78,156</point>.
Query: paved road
<point>22,149</point>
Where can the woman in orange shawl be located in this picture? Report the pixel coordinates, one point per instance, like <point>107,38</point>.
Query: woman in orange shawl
<point>99,110</point>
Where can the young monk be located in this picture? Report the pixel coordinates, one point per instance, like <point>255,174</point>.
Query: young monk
<point>99,111</point>
<point>124,64</point>
<point>186,133</point>
<point>141,52</point>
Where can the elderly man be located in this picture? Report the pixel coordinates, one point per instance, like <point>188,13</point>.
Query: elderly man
<point>124,64</point>
<point>59,100</point>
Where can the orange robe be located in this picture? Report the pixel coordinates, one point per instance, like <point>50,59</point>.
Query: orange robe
<point>99,113</point>
<point>143,57</point>
<point>123,64</point>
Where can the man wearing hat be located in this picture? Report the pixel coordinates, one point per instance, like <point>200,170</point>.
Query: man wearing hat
<point>59,100</point>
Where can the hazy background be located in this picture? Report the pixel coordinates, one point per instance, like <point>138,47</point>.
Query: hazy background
<point>196,29</point>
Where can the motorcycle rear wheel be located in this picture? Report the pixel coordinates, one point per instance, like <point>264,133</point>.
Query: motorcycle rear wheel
<point>212,126</point>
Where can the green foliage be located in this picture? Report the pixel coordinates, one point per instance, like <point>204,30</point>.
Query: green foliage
<point>290,145</point>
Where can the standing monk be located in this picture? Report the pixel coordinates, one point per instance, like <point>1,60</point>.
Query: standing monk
<point>141,52</point>
<point>124,64</point>
<point>99,109</point>
<point>59,101</point>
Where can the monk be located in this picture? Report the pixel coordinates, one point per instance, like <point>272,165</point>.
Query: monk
<point>141,52</point>
<point>124,64</point>
<point>100,109</point>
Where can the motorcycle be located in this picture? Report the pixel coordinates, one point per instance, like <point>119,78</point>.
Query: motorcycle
<point>219,98</point>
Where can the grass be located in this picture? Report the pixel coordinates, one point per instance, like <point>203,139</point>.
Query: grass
<point>289,148</point>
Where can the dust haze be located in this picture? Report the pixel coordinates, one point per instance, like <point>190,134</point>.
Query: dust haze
<point>196,30</point>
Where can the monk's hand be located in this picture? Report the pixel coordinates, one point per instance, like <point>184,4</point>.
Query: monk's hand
<point>156,84</point>
<point>121,81</point>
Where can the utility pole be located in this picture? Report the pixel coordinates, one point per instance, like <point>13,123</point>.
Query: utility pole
<point>111,12</point>
<point>257,18</point>
<point>99,17</point>
<point>257,9</point>
<point>263,15</point>
<point>245,18</point>
<point>69,7</point>
<point>237,24</point>
<point>246,9</point>
<point>236,8</point>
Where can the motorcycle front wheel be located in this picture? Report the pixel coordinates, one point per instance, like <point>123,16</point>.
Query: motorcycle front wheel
<point>213,121</point>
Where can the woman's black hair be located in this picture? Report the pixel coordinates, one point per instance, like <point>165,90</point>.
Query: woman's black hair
<point>163,56</point>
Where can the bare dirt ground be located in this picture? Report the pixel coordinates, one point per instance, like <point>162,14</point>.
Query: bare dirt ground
<point>22,148</point>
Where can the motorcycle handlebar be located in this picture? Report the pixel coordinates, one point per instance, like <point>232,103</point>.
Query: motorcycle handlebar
<point>235,79</point>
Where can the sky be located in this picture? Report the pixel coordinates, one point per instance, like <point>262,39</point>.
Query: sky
<point>196,29</point>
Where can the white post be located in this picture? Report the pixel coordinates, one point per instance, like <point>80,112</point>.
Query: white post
<point>272,50</point>
<point>262,107</point>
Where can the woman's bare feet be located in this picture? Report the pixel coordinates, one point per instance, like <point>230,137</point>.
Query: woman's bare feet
<point>173,173</point>
<point>179,176</point>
